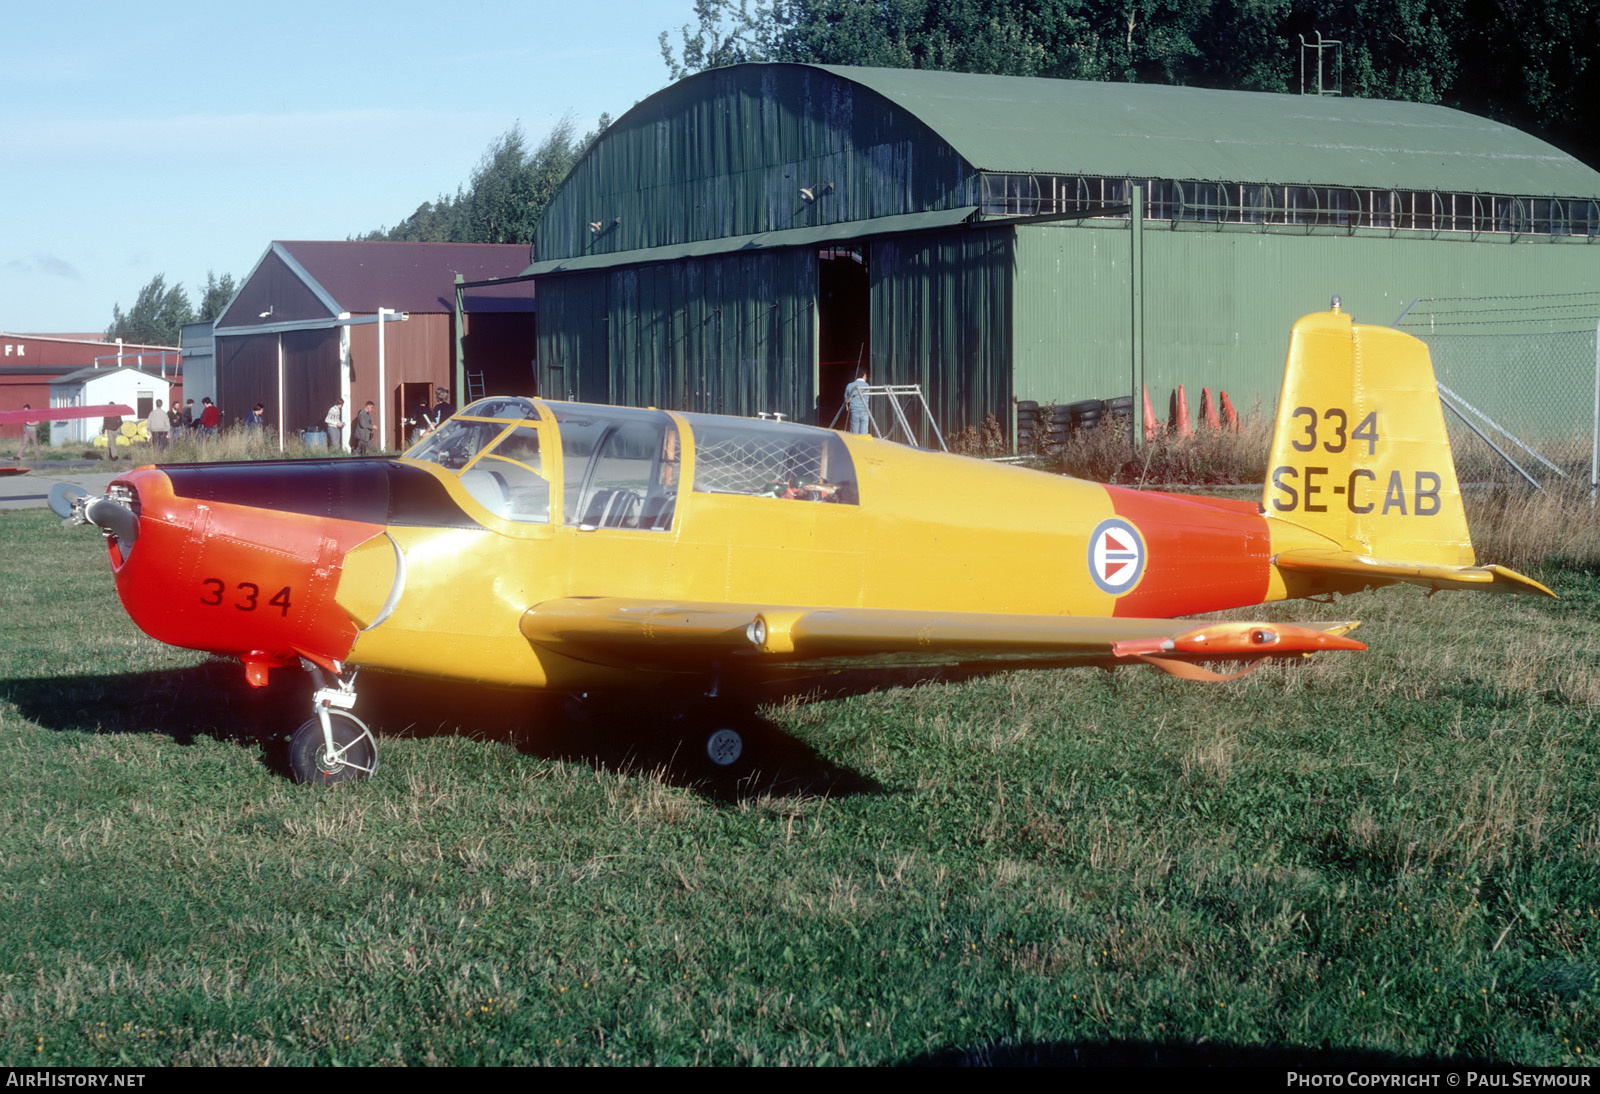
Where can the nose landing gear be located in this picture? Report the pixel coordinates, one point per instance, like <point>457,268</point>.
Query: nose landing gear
<point>333,746</point>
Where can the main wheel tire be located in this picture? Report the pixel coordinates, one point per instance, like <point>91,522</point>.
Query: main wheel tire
<point>308,751</point>
<point>724,748</point>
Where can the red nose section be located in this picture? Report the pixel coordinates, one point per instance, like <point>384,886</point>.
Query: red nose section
<point>230,579</point>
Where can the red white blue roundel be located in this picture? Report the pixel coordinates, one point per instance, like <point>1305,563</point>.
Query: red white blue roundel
<point>1116,556</point>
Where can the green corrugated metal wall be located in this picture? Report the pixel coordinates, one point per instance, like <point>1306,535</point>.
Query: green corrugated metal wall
<point>941,317</point>
<point>737,334</point>
<point>1218,305</point>
<point>731,334</point>
<point>726,152</point>
<point>571,350</point>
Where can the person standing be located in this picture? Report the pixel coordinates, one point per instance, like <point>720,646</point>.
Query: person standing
<point>441,409</point>
<point>361,441</point>
<point>334,423</point>
<point>256,418</point>
<point>111,426</point>
<point>210,418</point>
<point>855,398</point>
<point>30,435</point>
<point>187,422</point>
<point>160,427</point>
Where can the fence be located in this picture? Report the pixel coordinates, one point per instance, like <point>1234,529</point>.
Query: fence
<point>1522,374</point>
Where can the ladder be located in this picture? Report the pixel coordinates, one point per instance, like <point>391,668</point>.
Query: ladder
<point>898,422</point>
<point>475,389</point>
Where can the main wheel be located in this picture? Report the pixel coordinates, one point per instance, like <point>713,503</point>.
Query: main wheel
<point>354,755</point>
<point>724,747</point>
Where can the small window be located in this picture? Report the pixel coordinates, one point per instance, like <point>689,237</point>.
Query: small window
<point>621,468</point>
<point>507,479</point>
<point>771,460</point>
<point>456,443</point>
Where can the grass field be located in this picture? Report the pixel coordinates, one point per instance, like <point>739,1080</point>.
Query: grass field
<point>1368,858</point>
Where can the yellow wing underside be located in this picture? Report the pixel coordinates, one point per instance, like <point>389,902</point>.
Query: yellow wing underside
<point>689,637</point>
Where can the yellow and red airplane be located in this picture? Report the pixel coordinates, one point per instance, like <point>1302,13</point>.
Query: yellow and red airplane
<point>576,549</point>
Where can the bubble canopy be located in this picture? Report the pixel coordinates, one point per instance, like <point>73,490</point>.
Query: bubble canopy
<point>623,467</point>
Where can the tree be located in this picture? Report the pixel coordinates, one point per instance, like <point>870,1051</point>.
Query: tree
<point>507,195</point>
<point>215,297</point>
<point>511,186</point>
<point>1532,64</point>
<point>156,318</point>
<point>728,32</point>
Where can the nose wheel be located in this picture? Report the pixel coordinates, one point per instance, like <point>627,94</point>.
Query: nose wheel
<point>333,746</point>
<point>342,750</point>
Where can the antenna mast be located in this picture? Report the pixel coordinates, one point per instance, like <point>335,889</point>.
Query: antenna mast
<point>1319,47</point>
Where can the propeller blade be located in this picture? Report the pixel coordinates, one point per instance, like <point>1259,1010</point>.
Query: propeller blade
<point>62,495</point>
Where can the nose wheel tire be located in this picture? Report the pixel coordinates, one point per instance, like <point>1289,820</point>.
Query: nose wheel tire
<point>354,754</point>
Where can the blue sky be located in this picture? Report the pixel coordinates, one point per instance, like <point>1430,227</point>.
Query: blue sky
<point>176,138</point>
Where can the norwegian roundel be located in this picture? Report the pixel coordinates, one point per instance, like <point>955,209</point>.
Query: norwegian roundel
<point>1116,556</point>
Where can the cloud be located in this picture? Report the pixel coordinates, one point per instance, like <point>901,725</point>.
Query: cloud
<point>44,265</point>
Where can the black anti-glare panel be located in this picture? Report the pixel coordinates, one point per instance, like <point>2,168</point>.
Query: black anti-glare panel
<point>375,491</point>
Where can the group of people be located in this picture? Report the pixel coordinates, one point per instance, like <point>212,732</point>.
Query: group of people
<point>164,424</point>
<point>363,432</point>
<point>360,436</point>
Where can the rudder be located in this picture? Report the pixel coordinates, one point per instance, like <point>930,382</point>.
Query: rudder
<point>1359,450</point>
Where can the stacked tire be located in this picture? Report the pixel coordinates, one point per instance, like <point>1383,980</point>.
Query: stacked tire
<point>1047,429</point>
<point>1062,421</point>
<point>1119,409</point>
<point>1028,431</point>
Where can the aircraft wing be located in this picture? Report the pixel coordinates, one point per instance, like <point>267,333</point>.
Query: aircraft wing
<point>1344,571</point>
<point>64,413</point>
<point>688,635</point>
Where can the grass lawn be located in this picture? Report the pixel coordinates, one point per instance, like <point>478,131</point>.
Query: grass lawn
<point>1372,857</point>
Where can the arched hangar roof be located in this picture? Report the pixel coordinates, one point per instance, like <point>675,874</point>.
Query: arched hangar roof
<point>1076,127</point>
<point>722,159</point>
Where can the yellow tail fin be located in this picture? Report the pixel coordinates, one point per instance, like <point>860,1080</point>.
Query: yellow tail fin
<point>1361,460</point>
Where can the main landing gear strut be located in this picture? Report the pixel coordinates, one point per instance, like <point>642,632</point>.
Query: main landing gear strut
<point>333,746</point>
<point>716,727</point>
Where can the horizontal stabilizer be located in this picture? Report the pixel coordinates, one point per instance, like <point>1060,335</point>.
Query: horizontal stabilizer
<point>1344,571</point>
<point>638,633</point>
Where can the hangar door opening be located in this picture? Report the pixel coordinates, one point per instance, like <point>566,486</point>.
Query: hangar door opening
<point>843,325</point>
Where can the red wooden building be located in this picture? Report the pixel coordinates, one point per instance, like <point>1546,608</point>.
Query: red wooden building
<point>29,363</point>
<point>301,331</point>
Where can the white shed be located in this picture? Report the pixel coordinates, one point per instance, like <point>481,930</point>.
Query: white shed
<point>96,386</point>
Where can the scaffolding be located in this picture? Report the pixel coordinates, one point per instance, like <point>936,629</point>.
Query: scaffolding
<point>900,398</point>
